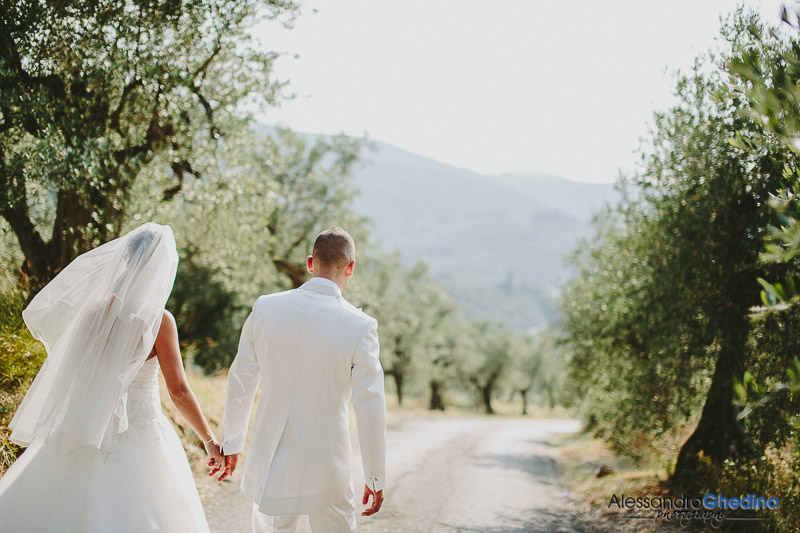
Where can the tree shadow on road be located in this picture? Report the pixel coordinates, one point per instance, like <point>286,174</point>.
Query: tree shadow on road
<point>534,521</point>
<point>540,467</point>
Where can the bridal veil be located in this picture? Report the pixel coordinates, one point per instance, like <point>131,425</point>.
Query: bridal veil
<point>98,319</point>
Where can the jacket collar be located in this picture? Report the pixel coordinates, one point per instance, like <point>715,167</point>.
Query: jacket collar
<point>322,285</point>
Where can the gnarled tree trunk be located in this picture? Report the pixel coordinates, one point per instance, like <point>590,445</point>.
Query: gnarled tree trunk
<point>437,400</point>
<point>718,435</point>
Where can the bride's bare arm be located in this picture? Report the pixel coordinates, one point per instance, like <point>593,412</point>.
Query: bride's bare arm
<point>169,357</point>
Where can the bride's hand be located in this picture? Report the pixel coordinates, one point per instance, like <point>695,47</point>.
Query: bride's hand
<point>215,457</point>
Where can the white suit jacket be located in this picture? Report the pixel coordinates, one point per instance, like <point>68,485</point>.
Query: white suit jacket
<point>309,348</point>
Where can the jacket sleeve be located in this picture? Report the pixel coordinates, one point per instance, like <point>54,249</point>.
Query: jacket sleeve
<point>369,404</point>
<point>243,380</point>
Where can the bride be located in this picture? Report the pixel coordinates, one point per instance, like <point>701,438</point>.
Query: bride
<point>101,455</point>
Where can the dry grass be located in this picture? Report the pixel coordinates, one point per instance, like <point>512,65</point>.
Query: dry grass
<point>581,457</point>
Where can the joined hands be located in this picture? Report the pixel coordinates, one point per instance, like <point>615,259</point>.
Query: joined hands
<point>214,453</point>
<point>223,466</point>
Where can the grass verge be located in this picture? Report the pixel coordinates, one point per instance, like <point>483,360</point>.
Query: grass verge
<point>593,473</point>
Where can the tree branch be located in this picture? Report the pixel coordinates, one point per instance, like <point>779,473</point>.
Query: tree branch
<point>179,168</point>
<point>7,124</point>
<point>213,131</point>
<point>295,273</point>
<point>203,69</point>
<point>195,88</point>
<point>136,82</point>
<point>156,133</point>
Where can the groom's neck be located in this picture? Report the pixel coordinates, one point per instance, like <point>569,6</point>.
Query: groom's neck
<point>340,280</point>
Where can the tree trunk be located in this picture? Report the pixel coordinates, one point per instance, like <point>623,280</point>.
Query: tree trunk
<point>477,385</point>
<point>486,396</point>
<point>35,265</point>
<point>297,274</point>
<point>73,220</point>
<point>398,384</point>
<point>437,400</point>
<point>524,394</point>
<point>484,391</point>
<point>14,208</point>
<point>718,435</point>
<point>74,232</point>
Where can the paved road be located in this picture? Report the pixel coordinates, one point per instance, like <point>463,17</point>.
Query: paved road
<point>450,474</point>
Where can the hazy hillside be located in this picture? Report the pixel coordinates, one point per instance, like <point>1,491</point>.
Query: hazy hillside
<point>496,242</point>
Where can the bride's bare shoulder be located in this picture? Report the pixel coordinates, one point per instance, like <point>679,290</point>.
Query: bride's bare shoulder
<point>168,317</point>
<point>168,324</point>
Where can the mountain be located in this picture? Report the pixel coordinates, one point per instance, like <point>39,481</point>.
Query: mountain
<point>497,243</point>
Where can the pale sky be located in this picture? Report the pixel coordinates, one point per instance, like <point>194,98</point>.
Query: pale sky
<point>563,87</point>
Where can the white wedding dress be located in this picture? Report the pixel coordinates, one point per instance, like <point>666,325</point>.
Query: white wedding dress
<point>138,481</point>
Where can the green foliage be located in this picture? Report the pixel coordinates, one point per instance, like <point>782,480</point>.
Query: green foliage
<point>25,353</point>
<point>310,190</point>
<point>773,473</point>
<point>123,112</point>
<point>621,336</point>
<point>206,312</point>
<point>538,368</point>
<point>658,320</point>
<point>246,226</point>
<point>518,306</point>
<point>753,395</point>
<point>660,309</point>
<point>92,92</point>
<point>427,345</point>
<point>769,393</point>
<point>20,360</point>
<point>413,314</point>
<point>487,361</point>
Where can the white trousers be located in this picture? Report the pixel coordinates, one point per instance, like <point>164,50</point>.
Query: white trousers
<point>332,519</point>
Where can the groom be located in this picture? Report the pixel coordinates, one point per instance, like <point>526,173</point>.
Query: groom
<point>311,349</point>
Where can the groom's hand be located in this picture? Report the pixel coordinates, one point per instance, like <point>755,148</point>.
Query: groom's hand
<point>377,501</point>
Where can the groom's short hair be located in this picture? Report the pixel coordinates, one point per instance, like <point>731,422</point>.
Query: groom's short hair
<point>334,247</point>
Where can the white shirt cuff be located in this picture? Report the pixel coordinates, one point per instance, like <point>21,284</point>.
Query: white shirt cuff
<point>376,483</point>
<point>232,446</point>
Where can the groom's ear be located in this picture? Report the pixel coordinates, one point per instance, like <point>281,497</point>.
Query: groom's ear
<point>310,264</point>
<point>349,270</point>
